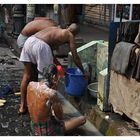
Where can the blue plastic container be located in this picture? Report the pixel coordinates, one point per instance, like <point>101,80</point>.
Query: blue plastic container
<point>75,84</point>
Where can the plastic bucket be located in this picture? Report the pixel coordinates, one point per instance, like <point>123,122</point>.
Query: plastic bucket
<point>75,84</point>
<point>93,89</point>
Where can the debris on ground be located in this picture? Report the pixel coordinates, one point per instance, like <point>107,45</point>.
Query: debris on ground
<point>17,93</point>
<point>12,124</point>
<point>2,101</point>
<point>5,90</point>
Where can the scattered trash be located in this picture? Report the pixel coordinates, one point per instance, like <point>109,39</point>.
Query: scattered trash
<point>16,130</point>
<point>2,101</point>
<point>5,90</point>
<point>5,124</point>
<point>107,117</point>
<point>1,104</point>
<point>17,93</point>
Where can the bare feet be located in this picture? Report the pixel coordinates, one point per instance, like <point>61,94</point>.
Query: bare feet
<point>22,110</point>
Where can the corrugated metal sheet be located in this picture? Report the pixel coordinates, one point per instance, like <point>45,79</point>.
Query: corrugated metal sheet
<point>99,14</point>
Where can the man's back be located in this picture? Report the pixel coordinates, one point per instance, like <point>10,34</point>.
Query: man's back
<point>37,96</point>
<point>54,36</point>
<point>37,25</point>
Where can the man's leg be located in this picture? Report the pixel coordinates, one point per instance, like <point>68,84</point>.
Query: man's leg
<point>23,88</point>
<point>74,123</point>
<point>34,73</point>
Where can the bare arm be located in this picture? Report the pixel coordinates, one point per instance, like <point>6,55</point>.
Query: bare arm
<point>75,55</point>
<point>60,69</point>
<point>55,60</point>
<point>57,107</point>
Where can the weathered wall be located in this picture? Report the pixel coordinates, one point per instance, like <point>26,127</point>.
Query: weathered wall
<point>125,96</point>
<point>102,56</point>
<point>95,53</point>
<point>98,14</point>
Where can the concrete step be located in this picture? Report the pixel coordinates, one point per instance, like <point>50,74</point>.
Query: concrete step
<point>108,123</point>
<point>87,129</point>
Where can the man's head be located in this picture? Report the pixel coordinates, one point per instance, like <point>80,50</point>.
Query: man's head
<point>73,28</point>
<point>51,75</point>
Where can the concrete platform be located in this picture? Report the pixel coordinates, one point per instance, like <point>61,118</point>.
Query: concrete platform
<point>87,129</point>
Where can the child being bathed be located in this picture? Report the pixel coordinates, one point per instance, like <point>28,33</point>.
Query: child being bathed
<point>45,108</point>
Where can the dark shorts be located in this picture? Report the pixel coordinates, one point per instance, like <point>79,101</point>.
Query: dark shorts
<point>52,127</point>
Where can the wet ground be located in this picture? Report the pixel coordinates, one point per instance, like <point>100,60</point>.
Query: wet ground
<point>11,124</point>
